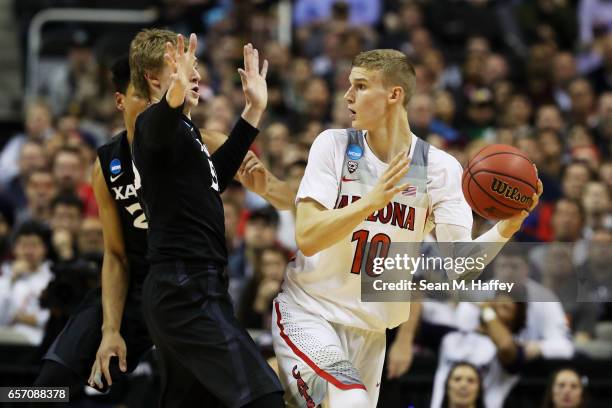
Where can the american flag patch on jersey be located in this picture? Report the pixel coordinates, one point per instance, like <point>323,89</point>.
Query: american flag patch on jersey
<point>410,191</point>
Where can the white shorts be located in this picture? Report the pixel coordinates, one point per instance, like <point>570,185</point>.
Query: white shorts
<point>319,359</point>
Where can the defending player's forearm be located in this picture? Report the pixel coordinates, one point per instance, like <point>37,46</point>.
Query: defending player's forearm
<point>318,228</point>
<point>228,158</point>
<point>115,281</point>
<point>279,194</point>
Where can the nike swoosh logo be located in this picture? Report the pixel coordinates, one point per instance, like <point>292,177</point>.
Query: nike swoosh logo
<point>113,178</point>
<point>346,179</point>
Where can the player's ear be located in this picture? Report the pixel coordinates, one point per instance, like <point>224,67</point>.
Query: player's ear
<point>152,80</point>
<point>397,95</point>
<point>119,101</point>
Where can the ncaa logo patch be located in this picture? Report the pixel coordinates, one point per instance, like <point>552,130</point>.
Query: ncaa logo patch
<point>354,152</point>
<point>352,166</point>
<point>115,166</point>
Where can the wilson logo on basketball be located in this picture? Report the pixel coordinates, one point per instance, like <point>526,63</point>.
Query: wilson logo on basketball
<point>505,190</point>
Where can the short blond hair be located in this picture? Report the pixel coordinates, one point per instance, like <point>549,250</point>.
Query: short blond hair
<point>394,66</point>
<point>147,56</point>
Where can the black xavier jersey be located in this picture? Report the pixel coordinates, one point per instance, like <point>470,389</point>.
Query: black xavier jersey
<point>116,164</point>
<point>179,183</point>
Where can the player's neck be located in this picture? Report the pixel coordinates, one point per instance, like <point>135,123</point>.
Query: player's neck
<point>391,137</point>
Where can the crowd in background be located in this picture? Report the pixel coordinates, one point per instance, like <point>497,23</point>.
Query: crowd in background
<point>533,74</point>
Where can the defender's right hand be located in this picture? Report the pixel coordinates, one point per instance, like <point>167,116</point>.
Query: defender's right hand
<point>387,187</point>
<point>112,345</point>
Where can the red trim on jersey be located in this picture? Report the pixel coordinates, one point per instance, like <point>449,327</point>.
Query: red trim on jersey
<point>320,372</point>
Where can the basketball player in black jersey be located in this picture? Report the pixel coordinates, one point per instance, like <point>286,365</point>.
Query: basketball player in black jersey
<point>205,356</point>
<point>114,321</point>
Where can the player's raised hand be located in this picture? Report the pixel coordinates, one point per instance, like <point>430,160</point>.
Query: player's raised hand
<point>253,85</point>
<point>182,65</point>
<point>387,187</point>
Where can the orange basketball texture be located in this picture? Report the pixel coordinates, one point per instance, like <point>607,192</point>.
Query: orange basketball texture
<point>499,182</point>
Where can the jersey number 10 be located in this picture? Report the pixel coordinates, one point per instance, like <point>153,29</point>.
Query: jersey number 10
<point>379,248</point>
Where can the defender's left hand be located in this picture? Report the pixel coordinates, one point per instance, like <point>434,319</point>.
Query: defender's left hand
<point>254,80</point>
<point>252,174</point>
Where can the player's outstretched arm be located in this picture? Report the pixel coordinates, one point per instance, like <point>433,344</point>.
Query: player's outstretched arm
<point>318,228</point>
<point>254,176</point>
<point>115,278</point>
<point>228,158</point>
<point>492,240</point>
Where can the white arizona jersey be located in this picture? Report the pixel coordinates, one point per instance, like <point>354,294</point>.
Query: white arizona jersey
<point>341,169</point>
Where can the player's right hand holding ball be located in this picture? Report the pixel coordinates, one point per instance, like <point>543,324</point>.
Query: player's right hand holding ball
<point>501,183</point>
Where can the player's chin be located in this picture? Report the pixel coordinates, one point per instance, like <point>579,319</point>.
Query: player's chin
<point>193,98</point>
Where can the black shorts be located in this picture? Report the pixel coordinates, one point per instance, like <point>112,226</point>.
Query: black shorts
<point>205,355</point>
<point>77,344</point>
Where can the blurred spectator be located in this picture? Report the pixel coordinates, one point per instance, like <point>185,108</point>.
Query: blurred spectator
<point>77,83</point>
<point>38,126</point>
<point>575,176</point>
<point>40,189</point>
<point>546,332</point>
<point>563,72</point>
<point>595,16</point>
<point>548,117</point>
<point>566,389</point>
<point>463,387</point>
<point>422,121</point>
<point>69,171</point>
<point>7,220</point>
<point>491,348</point>
<point>480,115</point>
<point>597,205</point>
<point>276,137</point>
<point>541,19</point>
<point>90,239</point>
<point>359,12</point>
<point>582,111</point>
<point>22,282</point>
<point>66,219</point>
<point>260,232</point>
<point>32,156</point>
<point>262,288</point>
<point>560,275</point>
<point>601,78</point>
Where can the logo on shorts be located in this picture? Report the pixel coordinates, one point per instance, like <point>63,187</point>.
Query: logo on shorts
<point>302,387</point>
<point>115,166</point>
<point>352,166</point>
<point>354,152</point>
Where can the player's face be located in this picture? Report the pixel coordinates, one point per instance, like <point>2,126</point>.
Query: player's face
<point>193,94</point>
<point>367,98</point>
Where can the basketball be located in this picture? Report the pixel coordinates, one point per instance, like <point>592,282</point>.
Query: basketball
<point>499,182</point>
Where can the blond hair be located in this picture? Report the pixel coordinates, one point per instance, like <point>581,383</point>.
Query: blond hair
<point>147,56</point>
<point>394,66</point>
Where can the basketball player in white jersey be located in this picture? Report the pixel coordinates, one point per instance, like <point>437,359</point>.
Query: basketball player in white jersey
<point>381,184</point>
